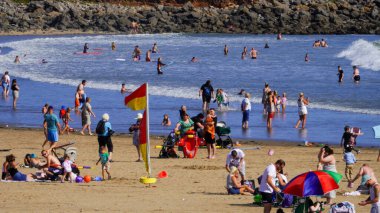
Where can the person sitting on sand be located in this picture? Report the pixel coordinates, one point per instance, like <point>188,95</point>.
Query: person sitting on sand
<point>135,128</point>
<point>17,60</point>
<point>52,167</point>
<point>147,56</point>
<point>166,121</point>
<point>365,172</point>
<point>235,158</point>
<point>233,185</point>
<point>184,125</point>
<point>374,193</point>
<point>31,161</point>
<point>307,205</point>
<point>11,170</point>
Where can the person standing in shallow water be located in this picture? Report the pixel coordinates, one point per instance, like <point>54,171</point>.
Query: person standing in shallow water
<point>302,110</point>
<point>159,65</point>
<point>225,50</point>
<point>207,92</point>
<point>340,74</point>
<point>85,48</point>
<point>15,92</point>
<point>356,74</point>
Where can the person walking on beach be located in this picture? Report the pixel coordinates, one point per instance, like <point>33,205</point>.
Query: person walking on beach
<point>15,92</point>
<point>159,66</point>
<point>104,158</point>
<point>264,99</point>
<point>225,50</point>
<point>356,74</point>
<point>86,116</point>
<point>267,185</point>
<point>207,92</point>
<point>236,158</point>
<point>340,74</point>
<point>85,48</point>
<point>365,172</point>
<point>52,128</point>
<point>245,108</point>
<point>5,82</point>
<point>374,193</point>
<point>350,160</point>
<point>104,131</point>
<point>302,110</point>
<point>328,162</point>
<point>209,135</point>
<point>135,128</point>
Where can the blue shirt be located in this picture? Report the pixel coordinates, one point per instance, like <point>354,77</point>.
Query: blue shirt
<point>107,126</point>
<point>104,157</point>
<point>349,158</point>
<point>51,121</point>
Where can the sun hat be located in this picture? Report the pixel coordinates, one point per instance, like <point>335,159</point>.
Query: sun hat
<point>105,117</point>
<point>139,116</point>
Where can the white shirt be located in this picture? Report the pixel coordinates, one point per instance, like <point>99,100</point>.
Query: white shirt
<point>271,172</point>
<point>67,166</point>
<point>246,104</point>
<point>235,162</point>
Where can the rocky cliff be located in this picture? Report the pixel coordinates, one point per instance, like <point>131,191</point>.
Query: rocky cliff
<point>257,16</point>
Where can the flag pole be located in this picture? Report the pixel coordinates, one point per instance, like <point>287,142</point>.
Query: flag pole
<point>147,130</point>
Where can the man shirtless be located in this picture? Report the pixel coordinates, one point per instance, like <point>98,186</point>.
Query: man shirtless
<point>52,163</point>
<point>253,53</point>
<point>365,172</point>
<point>147,56</point>
<point>225,50</point>
<point>356,74</point>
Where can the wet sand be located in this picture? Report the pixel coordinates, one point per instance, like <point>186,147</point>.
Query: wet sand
<point>192,184</point>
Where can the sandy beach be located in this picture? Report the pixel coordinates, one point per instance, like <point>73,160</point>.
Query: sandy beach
<point>192,184</point>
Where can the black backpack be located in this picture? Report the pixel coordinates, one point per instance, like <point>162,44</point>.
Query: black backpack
<point>100,128</point>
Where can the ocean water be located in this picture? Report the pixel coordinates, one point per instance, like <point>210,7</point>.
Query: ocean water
<point>332,106</point>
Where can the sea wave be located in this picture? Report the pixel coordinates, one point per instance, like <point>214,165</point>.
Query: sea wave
<point>363,53</point>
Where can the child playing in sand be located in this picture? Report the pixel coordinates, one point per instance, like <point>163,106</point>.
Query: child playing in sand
<point>104,159</point>
<point>66,118</point>
<point>283,102</point>
<point>67,170</point>
<point>350,160</point>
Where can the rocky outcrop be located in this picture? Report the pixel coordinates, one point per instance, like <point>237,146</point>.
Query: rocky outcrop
<point>259,16</point>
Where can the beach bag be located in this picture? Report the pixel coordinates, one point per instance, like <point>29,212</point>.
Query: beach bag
<point>100,128</point>
<point>344,206</point>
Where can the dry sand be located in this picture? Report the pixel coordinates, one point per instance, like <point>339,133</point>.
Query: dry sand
<point>193,184</point>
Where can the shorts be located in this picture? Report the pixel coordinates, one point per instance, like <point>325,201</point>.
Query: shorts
<point>253,57</point>
<point>19,177</point>
<point>267,197</point>
<point>105,141</point>
<point>233,191</point>
<point>106,166</point>
<point>15,93</point>
<point>86,120</point>
<point>5,85</point>
<point>357,77</point>
<point>271,114</point>
<point>206,99</point>
<point>209,138</point>
<point>245,116</point>
<point>52,135</point>
<point>77,102</point>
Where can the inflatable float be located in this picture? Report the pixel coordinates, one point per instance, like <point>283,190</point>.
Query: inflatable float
<point>147,180</point>
<point>190,144</point>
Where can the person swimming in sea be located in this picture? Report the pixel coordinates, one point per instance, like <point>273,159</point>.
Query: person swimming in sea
<point>323,43</point>
<point>136,53</point>
<point>113,46</point>
<point>225,50</point>
<point>155,48</point>
<point>307,57</point>
<point>193,59</point>
<point>159,65</point>
<point>253,53</point>
<point>43,61</point>
<point>356,74</point>
<point>85,48</point>
<point>147,56</point>
<point>17,60</point>
<point>266,45</point>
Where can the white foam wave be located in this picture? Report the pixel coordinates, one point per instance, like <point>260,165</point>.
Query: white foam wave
<point>362,53</point>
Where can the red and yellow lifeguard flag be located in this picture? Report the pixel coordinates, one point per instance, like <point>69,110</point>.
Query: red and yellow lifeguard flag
<point>137,99</point>
<point>144,147</point>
